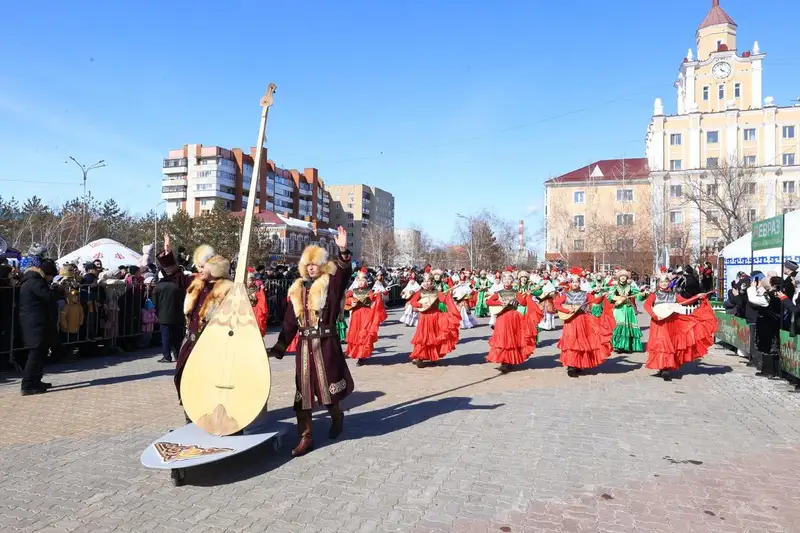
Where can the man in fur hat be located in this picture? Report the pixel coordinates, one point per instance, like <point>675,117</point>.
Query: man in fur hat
<point>205,291</point>
<point>315,300</point>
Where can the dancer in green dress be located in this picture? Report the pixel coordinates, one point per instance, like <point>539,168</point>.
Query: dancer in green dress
<point>482,286</point>
<point>599,287</point>
<point>627,336</point>
<point>523,286</point>
<point>440,284</point>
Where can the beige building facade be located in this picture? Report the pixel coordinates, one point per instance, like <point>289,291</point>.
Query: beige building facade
<point>726,153</point>
<point>357,207</point>
<point>598,216</point>
<point>725,133</point>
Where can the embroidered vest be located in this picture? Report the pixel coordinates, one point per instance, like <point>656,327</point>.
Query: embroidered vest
<point>576,298</point>
<point>665,297</point>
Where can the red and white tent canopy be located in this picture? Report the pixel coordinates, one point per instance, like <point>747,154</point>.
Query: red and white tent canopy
<point>110,252</point>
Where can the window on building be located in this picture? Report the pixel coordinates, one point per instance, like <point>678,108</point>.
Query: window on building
<point>711,242</point>
<point>624,195</point>
<point>675,139</point>
<point>788,132</point>
<point>749,160</point>
<point>712,216</point>
<point>737,90</point>
<point>350,224</point>
<point>349,216</point>
<point>788,160</point>
<point>712,137</point>
<point>751,215</point>
<point>711,189</point>
<point>578,245</point>
<point>624,245</point>
<point>675,164</point>
<point>578,221</point>
<point>750,134</point>
<point>624,219</point>
<point>350,234</point>
<point>676,217</point>
<point>750,188</point>
<point>578,197</point>
<point>675,191</point>
<point>712,162</point>
<point>705,93</point>
<point>788,187</point>
<point>721,92</point>
<point>349,206</point>
<point>675,242</point>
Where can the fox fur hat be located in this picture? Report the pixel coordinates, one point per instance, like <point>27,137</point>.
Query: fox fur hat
<point>315,255</point>
<point>205,257</point>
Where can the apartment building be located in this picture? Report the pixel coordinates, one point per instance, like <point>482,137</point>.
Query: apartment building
<point>197,176</point>
<point>357,207</point>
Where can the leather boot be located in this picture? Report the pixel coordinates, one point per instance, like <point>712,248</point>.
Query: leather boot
<point>306,443</point>
<point>337,421</point>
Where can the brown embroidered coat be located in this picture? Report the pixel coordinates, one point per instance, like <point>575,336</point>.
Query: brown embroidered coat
<point>321,367</point>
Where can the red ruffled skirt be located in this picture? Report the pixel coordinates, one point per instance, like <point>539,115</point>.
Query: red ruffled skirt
<point>362,334</point>
<point>511,340</point>
<point>436,335</point>
<point>680,339</point>
<point>586,340</point>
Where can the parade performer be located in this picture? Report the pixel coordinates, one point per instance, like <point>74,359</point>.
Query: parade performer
<point>598,286</point>
<point>205,291</point>
<point>627,335</point>
<point>366,314</point>
<point>258,299</point>
<point>586,340</point>
<point>677,338</point>
<point>320,365</point>
<point>437,331</point>
<point>442,284</point>
<point>523,286</point>
<point>497,285</point>
<point>410,315</point>
<point>462,293</point>
<point>482,286</point>
<point>514,337</point>
<point>546,302</point>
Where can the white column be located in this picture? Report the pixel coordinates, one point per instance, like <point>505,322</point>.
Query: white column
<point>690,88</point>
<point>770,144</point>
<point>755,101</point>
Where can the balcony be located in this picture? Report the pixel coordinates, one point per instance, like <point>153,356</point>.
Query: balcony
<point>175,166</point>
<point>365,211</point>
<point>306,191</point>
<point>173,181</point>
<point>326,199</point>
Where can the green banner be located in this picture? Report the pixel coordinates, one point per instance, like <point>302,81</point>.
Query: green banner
<point>733,331</point>
<point>790,354</point>
<point>768,233</point>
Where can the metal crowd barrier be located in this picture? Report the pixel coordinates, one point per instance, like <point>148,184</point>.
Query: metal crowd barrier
<point>109,316</point>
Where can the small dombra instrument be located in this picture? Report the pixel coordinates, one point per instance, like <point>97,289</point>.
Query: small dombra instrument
<point>226,382</point>
<point>507,303</point>
<point>427,300</point>
<point>575,310</point>
<point>665,310</point>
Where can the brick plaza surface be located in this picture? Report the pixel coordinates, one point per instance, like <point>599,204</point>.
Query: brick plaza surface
<point>457,447</point>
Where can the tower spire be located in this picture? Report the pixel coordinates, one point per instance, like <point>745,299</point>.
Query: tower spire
<point>714,3</point>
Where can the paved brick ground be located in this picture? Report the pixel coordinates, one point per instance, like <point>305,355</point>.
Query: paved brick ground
<point>456,447</point>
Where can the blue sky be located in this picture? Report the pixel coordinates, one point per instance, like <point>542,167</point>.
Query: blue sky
<point>451,106</point>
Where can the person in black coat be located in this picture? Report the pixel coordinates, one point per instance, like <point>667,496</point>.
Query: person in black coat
<point>168,298</point>
<point>691,285</point>
<point>38,320</point>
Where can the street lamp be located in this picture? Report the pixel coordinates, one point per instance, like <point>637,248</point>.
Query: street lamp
<point>471,241</point>
<point>85,172</point>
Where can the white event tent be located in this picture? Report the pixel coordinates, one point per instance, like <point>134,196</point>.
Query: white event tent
<point>110,252</point>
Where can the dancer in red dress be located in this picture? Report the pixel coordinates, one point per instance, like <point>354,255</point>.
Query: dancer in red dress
<point>677,338</point>
<point>258,299</point>
<point>366,314</point>
<point>437,331</point>
<point>586,339</point>
<point>512,342</point>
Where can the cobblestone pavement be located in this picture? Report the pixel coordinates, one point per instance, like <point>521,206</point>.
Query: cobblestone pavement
<point>457,447</point>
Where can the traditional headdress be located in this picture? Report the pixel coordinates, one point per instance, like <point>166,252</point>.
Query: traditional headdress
<point>427,275</point>
<point>622,272</point>
<point>576,271</point>
<point>523,274</point>
<point>483,273</point>
<point>507,276</point>
<point>315,255</point>
<point>437,272</point>
<point>205,257</point>
<point>361,275</point>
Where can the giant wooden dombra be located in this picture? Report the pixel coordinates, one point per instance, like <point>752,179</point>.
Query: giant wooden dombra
<point>226,381</point>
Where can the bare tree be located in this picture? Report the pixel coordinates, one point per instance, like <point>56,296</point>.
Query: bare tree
<point>723,196</point>
<point>378,245</point>
<point>478,243</point>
